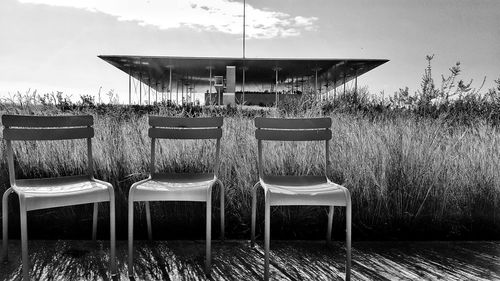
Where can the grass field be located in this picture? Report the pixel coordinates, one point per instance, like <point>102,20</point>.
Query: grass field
<point>410,177</point>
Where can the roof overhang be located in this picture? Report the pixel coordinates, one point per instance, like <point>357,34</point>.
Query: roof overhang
<point>155,70</point>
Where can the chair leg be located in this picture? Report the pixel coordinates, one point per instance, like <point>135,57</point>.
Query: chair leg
<point>348,241</point>
<point>148,221</point>
<point>254,213</point>
<point>208,237</point>
<point>130,237</point>
<point>24,240</point>
<point>5,224</point>
<point>267,234</point>
<point>112,233</point>
<point>222,222</point>
<point>330,225</point>
<point>94,221</point>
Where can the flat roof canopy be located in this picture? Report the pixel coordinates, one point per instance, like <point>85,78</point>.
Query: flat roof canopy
<point>155,70</point>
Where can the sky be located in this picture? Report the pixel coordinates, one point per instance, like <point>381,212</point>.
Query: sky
<point>52,45</point>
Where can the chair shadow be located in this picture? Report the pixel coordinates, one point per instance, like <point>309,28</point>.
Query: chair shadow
<point>236,260</point>
<point>60,260</point>
<point>185,260</point>
<point>428,260</point>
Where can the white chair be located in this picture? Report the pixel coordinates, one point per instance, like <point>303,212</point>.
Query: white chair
<point>178,187</point>
<point>298,190</point>
<point>35,194</point>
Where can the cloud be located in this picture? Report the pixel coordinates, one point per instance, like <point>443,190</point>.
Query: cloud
<point>215,15</point>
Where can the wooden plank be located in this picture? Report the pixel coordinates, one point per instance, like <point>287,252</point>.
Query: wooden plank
<point>201,122</point>
<point>293,135</point>
<point>281,123</point>
<point>47,134</point>
<point>47,121</point>
<point>185,133</point>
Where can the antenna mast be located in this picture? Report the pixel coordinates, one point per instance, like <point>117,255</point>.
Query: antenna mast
<point>244,29</point>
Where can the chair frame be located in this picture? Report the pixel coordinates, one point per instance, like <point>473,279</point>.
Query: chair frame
<point>180,128</point>
<point>48,128</point>
<point>312,129</point>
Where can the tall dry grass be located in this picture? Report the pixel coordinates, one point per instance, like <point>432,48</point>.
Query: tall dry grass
<point>410,178</point>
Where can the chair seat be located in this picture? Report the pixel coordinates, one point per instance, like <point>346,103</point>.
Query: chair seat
<point>303,190</point>
<point>58,192</point>
<point>174,187</point>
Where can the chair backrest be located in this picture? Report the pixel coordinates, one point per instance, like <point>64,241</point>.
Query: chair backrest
<point>280,129</point>
<point>185,128</point>
<point>45,128</point>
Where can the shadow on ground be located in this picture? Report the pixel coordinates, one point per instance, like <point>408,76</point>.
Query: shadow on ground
<point>235,260</point>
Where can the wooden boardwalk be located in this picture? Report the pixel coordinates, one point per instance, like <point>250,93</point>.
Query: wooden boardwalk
<point>235,260</point>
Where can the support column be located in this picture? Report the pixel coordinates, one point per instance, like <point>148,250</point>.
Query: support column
<point>327,93</point>
<point>163,90</point>
<point>170,81</point>
<point>244,69</point>
<point>316,80</point>
<point>177,93</point>
<point>156,92</point>
<point>276,70</point>
<point>149,90</point>
<point>140,82</point>
<point>335,83</point>
<point>182,91</point>
<point>140,88</point>
<point>210,84</point>
<point>334,89</point>
<point>302,85</point>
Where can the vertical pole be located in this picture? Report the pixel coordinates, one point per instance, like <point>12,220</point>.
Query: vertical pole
<point>163,90</point>
<point>149,90</point>
<point>244,18</point>
<point>244,27</point>
<point>334,89</point>
<point>192,90</point>
<point>218,95</point>
<point>140,82</point>
<point>129,87</point>
<point>210,93</point>
<point>276,70</point>
<point>316,81</point>
<point>140,88</point>
<point>276,88</point>
<point>177,94</point>
<point>243,86</point>
<point>170,83</point>
<point>156,92</point>
<point>334,83</point>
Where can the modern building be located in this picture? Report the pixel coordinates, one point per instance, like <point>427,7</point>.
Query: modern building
<point>263,81</point>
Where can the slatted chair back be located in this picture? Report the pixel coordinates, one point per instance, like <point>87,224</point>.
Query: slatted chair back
<point>185,128</point>
<point>46,128</point>
<point>281,129</point>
